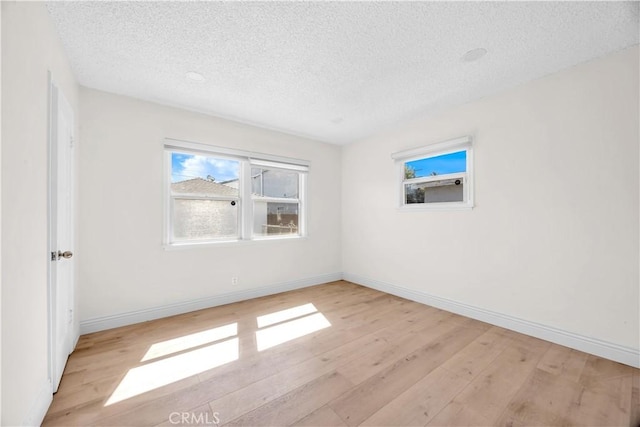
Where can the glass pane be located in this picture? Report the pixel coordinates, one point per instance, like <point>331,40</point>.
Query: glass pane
<point>438,165</point>
<point>204,219</point>
<point>275,218</point>
<point>447,190</point>
<point>204,175</point>
<point>274,183</point>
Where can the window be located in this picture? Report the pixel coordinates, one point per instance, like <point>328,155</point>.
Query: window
<point>276,201</point>
<point>437,176</point>
<point>220,195</point>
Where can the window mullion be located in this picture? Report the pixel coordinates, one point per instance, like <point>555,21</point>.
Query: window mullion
<point>246,203</point>
<point>170,219</point>
<point>435,178</point>
<point>204,197</point>
<point>302,206</point>
<point>275,199</point>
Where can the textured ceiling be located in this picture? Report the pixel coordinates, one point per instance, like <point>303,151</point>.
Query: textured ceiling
<point>335,72</point>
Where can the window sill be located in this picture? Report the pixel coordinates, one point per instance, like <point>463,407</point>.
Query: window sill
<point>227,243</point>
<point>435,207</point>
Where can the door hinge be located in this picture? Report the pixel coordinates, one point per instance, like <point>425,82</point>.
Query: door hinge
<point>70,315</point>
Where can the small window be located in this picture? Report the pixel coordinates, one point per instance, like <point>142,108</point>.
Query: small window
<point>436,176</point>
<point>230,195</point>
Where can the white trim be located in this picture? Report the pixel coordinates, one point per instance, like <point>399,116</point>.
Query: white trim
<point>179,246</point>
<point>196,196</point>
<point>418,152</point>
<point>444,206</point>
<point>275,199</point>
<point>40,405</point>
<point>176,144</point>
<point>114,321</point>
<point>628,356</point>
<point>167,202</point>
<point>282,165</point>
<point>50,271</point>
<point>303,206</point>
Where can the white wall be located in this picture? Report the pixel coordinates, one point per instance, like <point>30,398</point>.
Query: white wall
<point>0,222</point>
<point>30,47</point>
<point>553,238</point>
<point>123,266</point>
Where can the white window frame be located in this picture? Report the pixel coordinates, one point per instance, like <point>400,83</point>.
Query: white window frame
<point>245,198</point>
<point>435,150</point>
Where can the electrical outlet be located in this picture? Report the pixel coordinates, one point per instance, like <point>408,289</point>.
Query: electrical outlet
<point>234,280</point>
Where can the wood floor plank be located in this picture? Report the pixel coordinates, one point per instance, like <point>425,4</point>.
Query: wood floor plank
<point>458,414</point>
<point>490,392</point>
<point>548,399</point>
<point>597,369</point>
<point>544,399</point>
<point>606,402</point>
<point>254,367</point>
<point>323,417</point>
<point>88,412</point>
<point>359,403</point>
<point>69,397</point>
<point>376,319</point>
<point>294,405</point>
<point>71,380</point>
<point>475,357</point>
<point>559,360</point>
<point>252,397</point>
<point>79,415</point>
<point>420,402</point>
<point>399,345</point>
<point>382,360</point>
<point>635,400</point>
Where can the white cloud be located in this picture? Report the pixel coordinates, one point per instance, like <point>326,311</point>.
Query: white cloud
<point>202,166</point>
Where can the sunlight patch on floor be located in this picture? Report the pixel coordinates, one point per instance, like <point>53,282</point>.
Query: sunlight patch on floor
<point>283,332</point>
<point>288,314</point>
<point>186,342</point>
<point>205,350</point>
<point>166,371</point>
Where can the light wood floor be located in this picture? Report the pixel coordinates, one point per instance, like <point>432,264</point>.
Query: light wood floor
<point>382,361</point>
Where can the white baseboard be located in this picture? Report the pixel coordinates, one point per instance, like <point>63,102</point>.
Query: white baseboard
<point>114,321</point>
<point>628,356</point>
<point>40,406</point>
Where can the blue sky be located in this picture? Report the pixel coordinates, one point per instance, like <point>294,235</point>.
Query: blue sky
<point>188,166</point>
<point>440,165</point>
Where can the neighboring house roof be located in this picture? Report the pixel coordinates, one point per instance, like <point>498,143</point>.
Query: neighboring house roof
<point>202,186</point>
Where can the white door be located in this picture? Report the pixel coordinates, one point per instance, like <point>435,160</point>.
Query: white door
<point>61,226</point>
